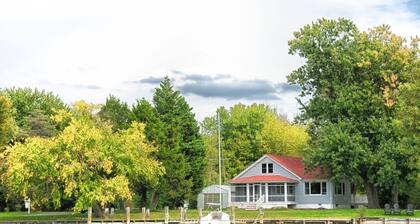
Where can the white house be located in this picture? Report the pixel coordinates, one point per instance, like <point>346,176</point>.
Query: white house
<point>281,181</point>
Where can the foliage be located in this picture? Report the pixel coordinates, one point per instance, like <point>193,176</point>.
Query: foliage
<point>85,161</point>
<point>171,125</point>
<point>33,109</point>
<point>352,81</point>
<point>116,112</point>
<point>247,133</point>
<point>6,121</point>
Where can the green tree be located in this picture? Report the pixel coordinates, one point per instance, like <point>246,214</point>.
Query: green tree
<point>6,121</point>
<point>33,109</point>
<point>248,132</point>
<point>171,125</point>
<point>86,161</point>
<point>6,135</point>
<point>350,85</point>
<point>116,112</point>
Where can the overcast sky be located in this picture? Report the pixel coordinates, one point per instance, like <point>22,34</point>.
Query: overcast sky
<point>217,52</point>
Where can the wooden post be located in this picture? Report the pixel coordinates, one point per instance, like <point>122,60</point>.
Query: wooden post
<point>261,215</point>
<point>166,214</point>
<point>181,214</point>
<point>185,213</point>
<point>89,215</point>
<point>112,213</point>
<point>147,213</point>
<point>143,212</point>
<point>127,213</point>
<point>200,214</point>
<point>232,214</point>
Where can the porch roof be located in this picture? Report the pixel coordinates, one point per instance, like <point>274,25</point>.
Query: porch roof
<point>262,178</point>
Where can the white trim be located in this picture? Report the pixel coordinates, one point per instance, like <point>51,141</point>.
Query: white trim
<point>249,167</point>
<point>318,181</point>
<point>285,192</point>
<point>315,206</point>
<point>247,192</point>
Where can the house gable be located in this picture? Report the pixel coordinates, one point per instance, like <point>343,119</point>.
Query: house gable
<point>256,169</point>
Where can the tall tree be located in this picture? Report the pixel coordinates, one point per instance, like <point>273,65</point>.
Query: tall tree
<point>350,84</point>
<point>86,161</point>
<point>6,121</point>
<point>247,133</point>
<point>116,112</point>
<point>33,111</point>
<point>171,125</point>
<point>6,135</point>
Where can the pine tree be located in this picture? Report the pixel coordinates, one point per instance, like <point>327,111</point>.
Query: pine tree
<point>171,126</point>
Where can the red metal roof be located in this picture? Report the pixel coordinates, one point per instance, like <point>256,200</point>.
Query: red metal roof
<point>296,165</point>
<point>262,178</point>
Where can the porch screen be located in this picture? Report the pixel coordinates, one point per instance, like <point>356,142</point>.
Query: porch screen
<point>239,193</point>
<point>275,192</point>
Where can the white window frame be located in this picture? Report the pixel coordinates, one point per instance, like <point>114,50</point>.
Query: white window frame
<point>272,168</point>
<point>262,168</point>
<point>310,184</point>
<point>342,186</point>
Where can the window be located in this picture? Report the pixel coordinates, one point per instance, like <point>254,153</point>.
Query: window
<point>270,168</point>
<point>238,193</point>
<point>264,168</point>
<point>340,188</point>
<point>316,188</point>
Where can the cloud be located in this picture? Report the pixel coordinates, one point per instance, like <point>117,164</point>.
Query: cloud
<point>225,86</point>
<point>70,85</point>
<point>148,80</point>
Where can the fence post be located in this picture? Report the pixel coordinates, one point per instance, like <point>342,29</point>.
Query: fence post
<point>181,212</point>
<point>143,212</point>
<point>106,211</point>
<point>261,214</point>
<point>232,214</point>
<point>166,214</point>
<point>112,213</point>
<point>89,215</point>
<point>147,213</point>
<point>127,212</point>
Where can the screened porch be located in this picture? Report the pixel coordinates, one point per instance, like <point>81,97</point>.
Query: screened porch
<point>263,192</point>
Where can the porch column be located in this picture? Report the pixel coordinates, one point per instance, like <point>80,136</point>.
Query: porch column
<point>285,192</point>
<point>266,193</point>
<point>247,192</point>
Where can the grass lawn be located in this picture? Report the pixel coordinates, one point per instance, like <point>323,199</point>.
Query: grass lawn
<point>193,214</point>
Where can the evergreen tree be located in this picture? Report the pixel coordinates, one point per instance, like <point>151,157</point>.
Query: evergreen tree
<point>171,125</point>
<point>116,112</point>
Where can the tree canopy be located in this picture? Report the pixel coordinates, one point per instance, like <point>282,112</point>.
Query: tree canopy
<point>6,121</point>
<point>33,109</point>
<point>86,161</point>
<point>351,82</point>
<point>248,132</point>
<point>171,125</point>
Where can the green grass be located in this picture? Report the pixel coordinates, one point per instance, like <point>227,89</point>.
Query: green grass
<point>193,214</point>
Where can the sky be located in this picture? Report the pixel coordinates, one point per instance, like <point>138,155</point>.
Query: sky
<point>217,52</point>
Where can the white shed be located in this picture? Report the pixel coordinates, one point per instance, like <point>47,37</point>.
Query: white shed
<point>209,196</point>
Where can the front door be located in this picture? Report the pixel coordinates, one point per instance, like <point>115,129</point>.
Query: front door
<point>257,192</point>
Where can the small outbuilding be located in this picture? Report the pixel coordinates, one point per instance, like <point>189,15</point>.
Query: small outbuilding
<point>210,197</point>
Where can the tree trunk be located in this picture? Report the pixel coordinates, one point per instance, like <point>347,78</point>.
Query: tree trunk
<point>97,211</point>
<point>154,198</point>
<point>372,194</point>
<point>395,195</point>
